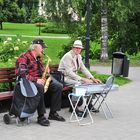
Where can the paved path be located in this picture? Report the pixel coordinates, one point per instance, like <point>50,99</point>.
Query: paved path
<point>125,125</point>
<point>64,37</point>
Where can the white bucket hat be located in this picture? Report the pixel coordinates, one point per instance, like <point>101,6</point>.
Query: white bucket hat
<point>77,44</point>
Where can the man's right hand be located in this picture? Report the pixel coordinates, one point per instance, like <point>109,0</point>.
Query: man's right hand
<point>40,81</point>
<point>86,81</point>
<point>97,81</point>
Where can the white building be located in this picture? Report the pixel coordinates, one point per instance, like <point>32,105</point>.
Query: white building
<point>41,9</point>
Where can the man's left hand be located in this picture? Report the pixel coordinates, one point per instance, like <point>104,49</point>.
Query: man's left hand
<point>97,81</point>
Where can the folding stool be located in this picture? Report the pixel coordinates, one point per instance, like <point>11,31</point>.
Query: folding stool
<point>80,119</point>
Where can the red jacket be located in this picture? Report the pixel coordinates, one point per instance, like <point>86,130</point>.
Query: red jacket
<point>34,66</point>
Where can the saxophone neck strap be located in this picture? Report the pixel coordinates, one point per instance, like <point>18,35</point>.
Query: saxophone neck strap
<point>39,66</point>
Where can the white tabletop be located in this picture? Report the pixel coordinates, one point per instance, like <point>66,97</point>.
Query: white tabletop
<point>92,88</point>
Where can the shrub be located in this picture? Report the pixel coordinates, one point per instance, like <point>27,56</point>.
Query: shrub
<point>40,19</point>
<point>40,24</point>
<point>95,50</point>
<point>54,29</point>
<point>11,48</point>
<point>135,56</point>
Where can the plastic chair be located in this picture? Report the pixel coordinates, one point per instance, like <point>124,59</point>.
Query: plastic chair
<point>100,98</point>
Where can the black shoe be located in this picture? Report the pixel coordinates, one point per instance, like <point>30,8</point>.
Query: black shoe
<point>91,108</point>
<point>23,119</point>
<point>55,116</point>
<point>95,110</point>
<point>70,109</point>
<point>43,121</point>
<point>78,112</point>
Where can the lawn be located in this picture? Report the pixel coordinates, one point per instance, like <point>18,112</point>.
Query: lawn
<point>24,29</point>
<point>54,44</point>
<point>54,47</point>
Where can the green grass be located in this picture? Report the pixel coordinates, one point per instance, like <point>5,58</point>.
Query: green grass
<point>54,46</point>
<point>103,77</point>
<point>24,29</point>
<point>132,62</point>
<point>118,79</point>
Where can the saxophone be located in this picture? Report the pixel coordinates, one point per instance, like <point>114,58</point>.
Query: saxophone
<point>45,76</point>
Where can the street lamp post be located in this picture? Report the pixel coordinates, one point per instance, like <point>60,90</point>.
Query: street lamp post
<point>87,35</point>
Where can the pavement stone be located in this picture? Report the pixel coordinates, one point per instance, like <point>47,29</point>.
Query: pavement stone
<point>125,125</point>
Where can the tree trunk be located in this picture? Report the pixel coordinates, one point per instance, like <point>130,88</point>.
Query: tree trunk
<point>1,27</point>
<point>104,31</point>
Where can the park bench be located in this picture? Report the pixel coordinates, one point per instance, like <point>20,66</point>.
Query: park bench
<point>8,78</point>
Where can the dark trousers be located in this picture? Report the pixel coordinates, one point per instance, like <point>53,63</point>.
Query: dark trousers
<point>41,105</point>
<point>54,95</point>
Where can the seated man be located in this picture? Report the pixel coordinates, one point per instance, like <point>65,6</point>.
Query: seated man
<point>71,63</point>
<point>32,58</point>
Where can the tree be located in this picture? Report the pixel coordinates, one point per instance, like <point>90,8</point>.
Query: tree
<point>9,9</point>
<point>23,14</point>
<point>29,6</point>
<point>34,13</point>
<point>3,15</point>
<point>28,3</point>
<point>63,12</point>
<point>2,18</point>
<point>40,20</point>
<point>14,11</point>
<point>121,23</point>
<point>124,25</point>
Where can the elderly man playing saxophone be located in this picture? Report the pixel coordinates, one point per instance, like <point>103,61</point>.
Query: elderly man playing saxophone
<point>32,58</point>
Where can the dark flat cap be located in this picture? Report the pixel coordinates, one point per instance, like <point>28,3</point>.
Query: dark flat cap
<point>41,42</point>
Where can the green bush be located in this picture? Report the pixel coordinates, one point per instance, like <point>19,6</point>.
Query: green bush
<point>135,56</point>
<point>95,50</point>
<point>103,77</point>
<point>40,19</point>
<point>40,24</point>
<point>65,49</point>
<point>11,48</point>
<point>134,59</point>
<point>54,29</point>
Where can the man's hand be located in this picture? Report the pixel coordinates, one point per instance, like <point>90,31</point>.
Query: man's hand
<point>86,81</point>
<point>97,81</point>
<point>48,69</point>
<point>90,81</point>
<point>40,81</point>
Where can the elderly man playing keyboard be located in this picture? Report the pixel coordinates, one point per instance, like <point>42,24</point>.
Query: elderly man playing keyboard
<point>69,65</point>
